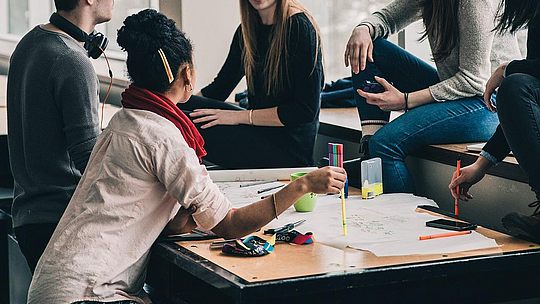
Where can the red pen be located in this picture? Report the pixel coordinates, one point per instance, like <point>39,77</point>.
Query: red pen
<point>443,235</point>
<point>456,201</point>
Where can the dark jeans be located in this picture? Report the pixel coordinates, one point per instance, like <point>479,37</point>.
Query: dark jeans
<point>338,94</point>
<point>456,121</point>
<point>242,146</point>
<point>518,106</point>
<point>32,241</point>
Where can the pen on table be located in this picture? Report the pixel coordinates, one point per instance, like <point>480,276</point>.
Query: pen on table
<point>220,244</point>
<point>268,189</point>
<point>258,183</point>
<point>442,235</point>
<point>202,232</point>
<point>456,201</point>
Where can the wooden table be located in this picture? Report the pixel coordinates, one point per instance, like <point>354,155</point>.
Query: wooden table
<point>191,271</point>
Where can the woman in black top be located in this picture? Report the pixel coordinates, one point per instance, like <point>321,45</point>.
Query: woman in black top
<point>277,48</point>
<point>518,108</point>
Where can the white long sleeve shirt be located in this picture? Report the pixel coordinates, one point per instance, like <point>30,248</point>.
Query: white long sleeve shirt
<point>139,174</point>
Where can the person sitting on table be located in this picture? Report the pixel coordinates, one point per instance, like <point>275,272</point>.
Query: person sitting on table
<point>518,108</point>
<point>277,49</point>
<point>145,175</point>
<point>443,104</point>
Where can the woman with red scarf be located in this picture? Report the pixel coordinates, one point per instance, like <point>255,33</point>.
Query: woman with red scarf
<point>144,176</point>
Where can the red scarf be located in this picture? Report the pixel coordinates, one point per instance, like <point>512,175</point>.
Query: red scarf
<point>143,99</point>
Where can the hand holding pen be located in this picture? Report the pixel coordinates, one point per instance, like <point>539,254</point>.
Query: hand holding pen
<point>468,176</point>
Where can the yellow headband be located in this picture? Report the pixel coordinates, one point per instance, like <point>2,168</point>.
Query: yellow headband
<point>166,65</point>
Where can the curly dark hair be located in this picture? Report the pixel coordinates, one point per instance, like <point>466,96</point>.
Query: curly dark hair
<point>141,36</point>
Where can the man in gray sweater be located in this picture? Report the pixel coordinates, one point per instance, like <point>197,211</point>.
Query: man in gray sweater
<point>53,123</point>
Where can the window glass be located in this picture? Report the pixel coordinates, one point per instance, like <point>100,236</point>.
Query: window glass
<point>18,17</point>
<point>122,9</point>
<point>336,20</point>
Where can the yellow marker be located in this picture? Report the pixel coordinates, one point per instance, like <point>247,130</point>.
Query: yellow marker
<point>343,216</point>
<point>272,240</point>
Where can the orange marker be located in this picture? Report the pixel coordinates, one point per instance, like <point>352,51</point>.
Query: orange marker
<point>442,235</point>
<point>456,202</point>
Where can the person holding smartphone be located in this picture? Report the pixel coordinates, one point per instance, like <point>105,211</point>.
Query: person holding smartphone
<point>518,108</point>
<point>442,104</point>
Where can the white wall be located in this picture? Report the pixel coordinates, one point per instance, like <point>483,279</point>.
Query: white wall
<point>210,24</point>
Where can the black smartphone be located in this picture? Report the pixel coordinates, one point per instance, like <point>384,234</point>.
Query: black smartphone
<point>372,87</point>
<point>451,225</point>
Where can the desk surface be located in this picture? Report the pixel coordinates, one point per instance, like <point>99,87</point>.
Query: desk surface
<point>290,261</point>
<point>317,272</point>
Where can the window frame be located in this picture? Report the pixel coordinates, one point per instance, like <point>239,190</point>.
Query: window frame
<point>117,58</point>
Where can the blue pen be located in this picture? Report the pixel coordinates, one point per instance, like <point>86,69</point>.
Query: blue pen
<point>346,188</point>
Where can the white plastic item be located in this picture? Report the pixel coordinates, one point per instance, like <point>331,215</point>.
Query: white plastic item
<point>371,174</point>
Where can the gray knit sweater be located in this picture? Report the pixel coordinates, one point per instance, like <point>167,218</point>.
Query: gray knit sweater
<point>465,72</point>
<point>52,103</point>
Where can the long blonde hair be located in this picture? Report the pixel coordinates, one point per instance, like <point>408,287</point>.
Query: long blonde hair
<point>276,65</point>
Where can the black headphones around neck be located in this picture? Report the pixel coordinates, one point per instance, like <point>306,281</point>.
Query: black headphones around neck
<point>95,43</point>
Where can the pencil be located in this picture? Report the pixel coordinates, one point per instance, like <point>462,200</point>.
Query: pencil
<point>257,183</point>
<point>456,201</point>
<point>268,189</point>
<point>442,235</point>
<point>343,215</point>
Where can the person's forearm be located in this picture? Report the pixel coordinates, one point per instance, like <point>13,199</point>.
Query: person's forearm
<point>262,117</point>
<point>245,220</point>
<point>178,225</point>
<point>420,98</point>
<point>483,163</point>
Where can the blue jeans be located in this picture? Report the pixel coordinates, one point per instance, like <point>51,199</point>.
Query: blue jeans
<point>457,121</point>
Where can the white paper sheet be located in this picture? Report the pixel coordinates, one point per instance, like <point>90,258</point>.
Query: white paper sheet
<point>255,175</point>
<point>387,226</point>
<point>240,197</point>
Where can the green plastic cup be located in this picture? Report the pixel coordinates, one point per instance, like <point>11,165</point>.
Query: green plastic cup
<point>307,202</point>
